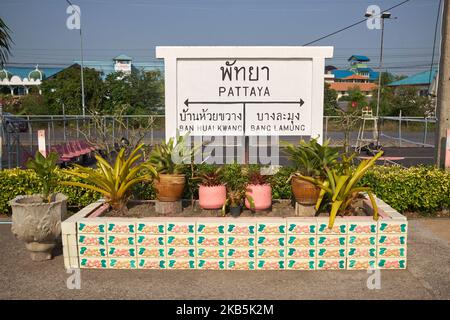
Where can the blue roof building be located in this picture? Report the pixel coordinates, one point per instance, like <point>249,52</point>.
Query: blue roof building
<point>425,82</point>
<point>18,80</point>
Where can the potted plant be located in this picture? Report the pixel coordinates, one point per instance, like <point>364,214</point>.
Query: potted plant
<point>212,192</point>
<point>114,181</point>
<point>234,201</point>
<point>36,219</point>
<point>310,159</point>
<point>169,159</point>
<point>260,190</point>
<point>341,185</point>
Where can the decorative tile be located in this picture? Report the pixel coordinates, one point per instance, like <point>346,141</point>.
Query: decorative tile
<point>180,252</point>
<point>392,226</point>
<point>180,241</point>
<point>271,241</point>
<point>391,263</point>
<point>271,228</point>
<point>303,226</point>
<point>150,227</point>
<point>270,264</point>
<point>93,263</point>
<point>211,264</point>
<point>91,227</point>
<point>392,239</point>
<point>181,264</point>
<point>361,252</point>
<point>146,240</point>
<point>362,240</point>
<point>211,252</point>
<point>391,252</point>
<point>339,227</point>
<point>210,228</point>
<point>151,252</point>
<point>240,253</point>
<point>300,253</point>
<point>121,240</point>
<point>122,263</point>
<point>240,241</point>
<point>121,252</point>
<point>145,263</point>
<point>268,252</point>
<point>210,241</point>
<point>92,251</point>
<point>91,240</point>
<point>240,264</point>
<point>362,227</point>
<point>241,228</point>
<point>300,264</point>
<point>331,240</point>
<point>330,252</point>
<point>121,228</point>
<point>180,227</point>
<point>301,241</point>
<point>361,264</point>
<point>330,264</point>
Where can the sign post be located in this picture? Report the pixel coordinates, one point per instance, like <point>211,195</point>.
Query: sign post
<point>244,91</point>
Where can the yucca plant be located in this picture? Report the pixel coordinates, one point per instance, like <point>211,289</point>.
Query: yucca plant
<point>114,181</point>
<point>45,169</point>
<point>341,186</point>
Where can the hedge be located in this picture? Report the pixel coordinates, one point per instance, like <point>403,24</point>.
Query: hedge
<point>419,189</point>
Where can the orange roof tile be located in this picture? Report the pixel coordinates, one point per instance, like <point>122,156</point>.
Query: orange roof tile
<point>356,77</point>
<point>346,86</point>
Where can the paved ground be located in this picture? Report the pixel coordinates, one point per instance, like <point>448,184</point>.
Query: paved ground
<point>427,277</point>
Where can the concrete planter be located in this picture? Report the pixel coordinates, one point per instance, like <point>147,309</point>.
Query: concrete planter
<point>227,243</point>
<point>38,224</point>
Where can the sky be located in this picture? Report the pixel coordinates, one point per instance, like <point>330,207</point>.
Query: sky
<point>136,27</point>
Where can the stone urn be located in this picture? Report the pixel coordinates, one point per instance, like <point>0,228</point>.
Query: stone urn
<point>37,223</point>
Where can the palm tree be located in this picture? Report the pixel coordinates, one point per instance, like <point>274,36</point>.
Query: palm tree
<point>5,42</point>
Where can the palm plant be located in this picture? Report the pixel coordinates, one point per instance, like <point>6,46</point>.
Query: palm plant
<point>172,156</point>
<point>114,181</point>
<point>5,42</point>
<point>45,169</point>
<point>342,187</point>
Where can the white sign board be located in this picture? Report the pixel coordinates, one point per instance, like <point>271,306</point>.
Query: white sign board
<point>244,90</point>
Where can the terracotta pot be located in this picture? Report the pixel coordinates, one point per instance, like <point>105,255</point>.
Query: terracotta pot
<point>212,197</point>
<point>169,187</point>
<point>37,223</point>
<point>261,194</point>
<point>304,192</point>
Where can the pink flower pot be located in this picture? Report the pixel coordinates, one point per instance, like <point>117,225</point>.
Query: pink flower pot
<point>212,197</point>
<point>261,194</point>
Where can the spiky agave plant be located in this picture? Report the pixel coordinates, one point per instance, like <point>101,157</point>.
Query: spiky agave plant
<point>341,186</point>
<point>114,181</point>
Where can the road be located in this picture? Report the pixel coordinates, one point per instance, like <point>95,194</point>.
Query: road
<point>426,277</point>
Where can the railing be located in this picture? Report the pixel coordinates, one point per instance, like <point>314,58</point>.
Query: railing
<point>17,146</point>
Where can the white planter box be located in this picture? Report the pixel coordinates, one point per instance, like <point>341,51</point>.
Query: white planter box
<point>226,243</point>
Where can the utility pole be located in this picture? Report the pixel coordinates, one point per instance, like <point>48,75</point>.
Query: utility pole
<point>443,97</point>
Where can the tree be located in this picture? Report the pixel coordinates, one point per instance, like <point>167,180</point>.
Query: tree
<point>330,101</point>
<point>5,42</point>
<point>411,104</point>
<point>65,87</point>
<point>142,92</point>
<point>356,99</point>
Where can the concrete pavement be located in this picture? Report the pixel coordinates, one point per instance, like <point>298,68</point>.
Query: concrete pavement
<point>427,277</point>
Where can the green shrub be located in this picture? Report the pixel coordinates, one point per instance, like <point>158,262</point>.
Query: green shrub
<point>14,182</point>
<point>416,189</point>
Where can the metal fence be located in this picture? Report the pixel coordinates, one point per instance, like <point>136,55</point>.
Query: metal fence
<point>19,141</point>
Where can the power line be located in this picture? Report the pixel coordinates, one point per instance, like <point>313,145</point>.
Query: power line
<point>352,25</point>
